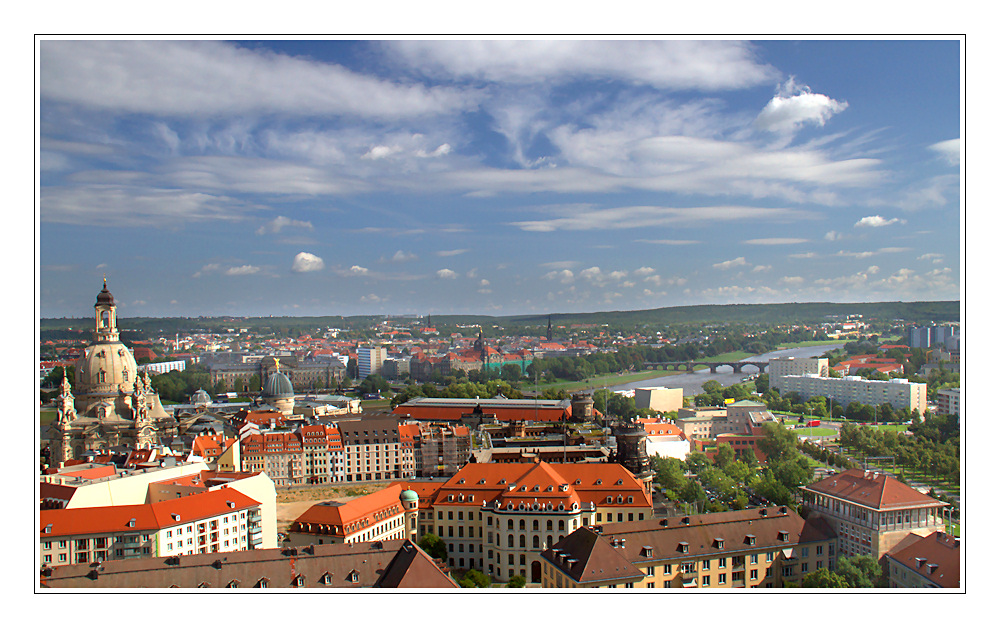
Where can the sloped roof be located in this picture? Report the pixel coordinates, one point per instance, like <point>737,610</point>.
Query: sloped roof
<point>280,568</point>
<point>936,557</point>
<point>413,568</point>
<point>355,510</point>
<point>110,519</point>
<point>875,490</point>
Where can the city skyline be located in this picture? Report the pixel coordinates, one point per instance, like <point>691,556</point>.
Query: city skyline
<point>316,178</point>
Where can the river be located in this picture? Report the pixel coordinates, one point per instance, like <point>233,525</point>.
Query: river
<point>692,382</point>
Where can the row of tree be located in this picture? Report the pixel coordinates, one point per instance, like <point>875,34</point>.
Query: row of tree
<point>934,448</point>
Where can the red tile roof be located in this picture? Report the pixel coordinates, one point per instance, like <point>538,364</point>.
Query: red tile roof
<point>110,519</point>
<point>936,557</point>
<point>875,490</point>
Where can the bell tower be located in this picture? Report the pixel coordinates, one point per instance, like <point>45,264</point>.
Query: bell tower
<point>105,315</point>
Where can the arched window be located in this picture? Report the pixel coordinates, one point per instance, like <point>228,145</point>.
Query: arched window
<point>548,541</point>
<point>534,541</point>
<point>534,525</point>
<point>520,525</point>
<point>510,540</point>
<point>562,525</point>
<point>548,525</point>
<point>510,524</point>
<point>521,539</point>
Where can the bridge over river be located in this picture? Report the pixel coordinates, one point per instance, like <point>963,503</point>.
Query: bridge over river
<point>691,365</point>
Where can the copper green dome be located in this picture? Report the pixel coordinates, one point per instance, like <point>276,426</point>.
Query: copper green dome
<point>409,495</point>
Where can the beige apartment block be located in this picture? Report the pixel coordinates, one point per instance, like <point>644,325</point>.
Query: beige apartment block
<point>660,398</point>
<point>740,549</point>
<point>898,393</point>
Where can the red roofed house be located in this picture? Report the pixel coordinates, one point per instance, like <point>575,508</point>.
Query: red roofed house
<point>211,521</point>
<point>211,446</point>
<point>872,512</point>
<point>925,562</point>
<point>378,516</point>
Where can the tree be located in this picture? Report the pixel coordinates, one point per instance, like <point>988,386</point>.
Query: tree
<point>54,379</point>
<point>823,578</point>
<point>725,455</point>
<point>517,582</point>
<point>434,546</point>
<point>475,579</point>
<point>860,571</point>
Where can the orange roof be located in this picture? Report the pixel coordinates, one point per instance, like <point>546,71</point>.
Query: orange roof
<point>90,473</point>
<point>662,429</point>
<point>541,482</point>
<point>359,512</point>
<point>936,557</point>
<point>144,517</point>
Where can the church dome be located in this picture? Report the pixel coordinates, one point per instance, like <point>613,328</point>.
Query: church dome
<point>201,398</point>
<point>105,368</point>
<point>409,495</point>
<point>104,296</point>
<point>278,385</point>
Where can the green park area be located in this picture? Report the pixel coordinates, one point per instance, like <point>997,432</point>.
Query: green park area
<point>599,382</point>
<point>815,432</point>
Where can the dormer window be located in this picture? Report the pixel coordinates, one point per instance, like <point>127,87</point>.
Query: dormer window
<point>751,540</point>
<point>619,482</point>
<point>629,499</point>
<point>599,481</point>
<point>353,576</point>
<point>682,547</point>
<point>719,543</point>
<point>299,581</point>
<point>782,535</point>
<point>327,578</point>
<point>261,584</point>
<point>233,584</point>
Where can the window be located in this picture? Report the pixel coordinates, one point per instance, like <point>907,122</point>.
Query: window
<point>722,563</point>
<point>48,544</point>
<point>706,565</point>
<point>770,556</point>
<point>706,581</point>
<point>722,578</point>
<point>753,559</point>
<point>819,550</point>
<point>805,552</point>
<point>753,574</point>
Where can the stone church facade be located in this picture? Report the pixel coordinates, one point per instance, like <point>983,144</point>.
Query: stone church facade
<point>113,405</point>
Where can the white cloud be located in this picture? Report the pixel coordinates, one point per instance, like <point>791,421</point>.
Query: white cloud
<point>358,270</point>
<point>577,219</point>
<point>739,261</point>
<point>446,273</point>
<point>371,298</point>
<point>281,222</point>
<point>761,268</point>
<point>403,256</point>
<point>775,241</point>
<point>307,263</point>
<point>207,78</point>
<point>949,150</point>
<point>246,269</point>
<point>877,221</point>
<point>645,270</point>
<point>832,236</point>
<point>795,106</point>
<point>440,151</point>
<point>565,275</point>
<point>934,258</point>
<point>451,253</point>
<point>678,64</point>
<point>854,254</point>
<point>381,152</point>
<point>792,281</point>
<point>484,282</point>
<point>207,268</point>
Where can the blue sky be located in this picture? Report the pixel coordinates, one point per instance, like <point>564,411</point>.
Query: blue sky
<point>495,177</point>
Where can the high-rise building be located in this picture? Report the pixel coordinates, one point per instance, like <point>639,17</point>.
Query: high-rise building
<point>899,393</point>
<point>370,361</point>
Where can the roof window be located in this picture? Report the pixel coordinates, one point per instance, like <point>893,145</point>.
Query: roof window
<point>682,547</point>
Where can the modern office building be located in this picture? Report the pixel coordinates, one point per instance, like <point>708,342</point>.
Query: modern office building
<point>370,360</point>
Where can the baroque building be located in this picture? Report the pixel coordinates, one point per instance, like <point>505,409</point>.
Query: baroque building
<point>113,405</point>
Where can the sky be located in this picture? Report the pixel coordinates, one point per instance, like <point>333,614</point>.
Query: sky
<point>313,178</point>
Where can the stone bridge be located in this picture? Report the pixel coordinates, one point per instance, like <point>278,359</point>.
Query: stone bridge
<point>691,365</point>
